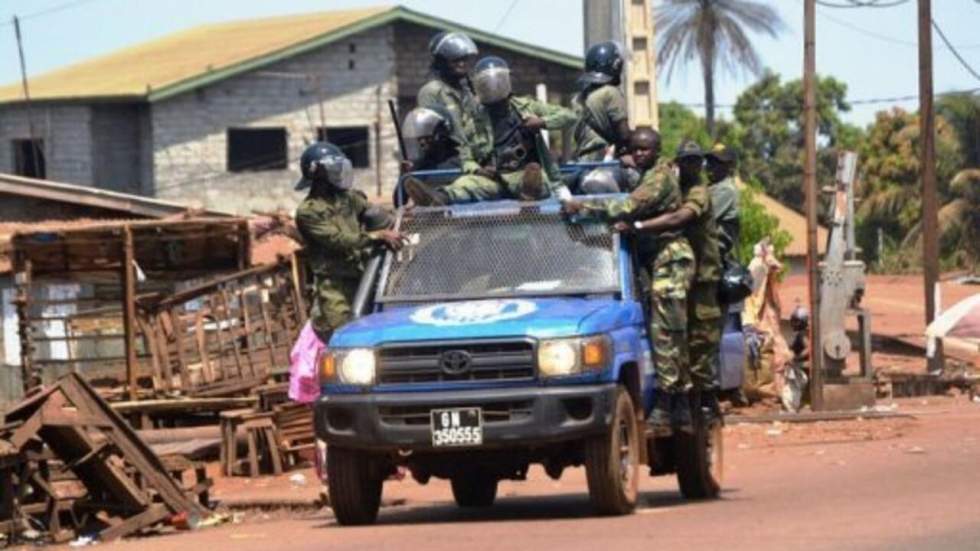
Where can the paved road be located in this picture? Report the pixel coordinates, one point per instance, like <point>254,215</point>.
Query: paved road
<point>897,484</point>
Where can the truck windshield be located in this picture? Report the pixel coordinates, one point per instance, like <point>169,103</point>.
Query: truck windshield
<point>485,254</point>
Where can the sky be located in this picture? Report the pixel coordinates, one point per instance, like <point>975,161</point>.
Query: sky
<point>872,50</point>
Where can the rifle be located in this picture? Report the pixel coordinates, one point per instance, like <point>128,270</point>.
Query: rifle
<point>398,128</point>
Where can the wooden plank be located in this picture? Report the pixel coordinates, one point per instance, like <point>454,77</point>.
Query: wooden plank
<point>247,323</point>
<point>231,327</point>
<point>129,310</point>
<point>154,513</point>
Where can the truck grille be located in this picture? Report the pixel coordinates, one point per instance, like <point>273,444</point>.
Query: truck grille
<point>493,412</point>
<point>456,361</point>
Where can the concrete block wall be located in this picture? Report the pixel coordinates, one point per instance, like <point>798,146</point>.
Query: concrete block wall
<point>116,147</point>
<point>66,131</point>
<point>189,132</point>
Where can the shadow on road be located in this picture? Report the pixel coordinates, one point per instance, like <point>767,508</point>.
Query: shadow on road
<point>524,509</point>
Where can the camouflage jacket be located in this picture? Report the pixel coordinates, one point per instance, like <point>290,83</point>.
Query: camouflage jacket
<point>703,233</point>
<point>724,203</point>
<point>460,102</point>
<point>336,243</point>
<point>599,110</point>
<point>657,193</point>
<point>478,137</point>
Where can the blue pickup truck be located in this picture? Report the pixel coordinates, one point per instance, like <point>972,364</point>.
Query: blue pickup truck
<point>503,335</point>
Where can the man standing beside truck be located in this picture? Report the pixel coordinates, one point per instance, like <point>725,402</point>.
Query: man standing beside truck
<point>339,227</point>
<point>670,262</point>
<point>695,218</point>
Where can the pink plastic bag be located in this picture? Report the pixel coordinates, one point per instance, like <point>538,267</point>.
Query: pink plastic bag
<point>303,386</point>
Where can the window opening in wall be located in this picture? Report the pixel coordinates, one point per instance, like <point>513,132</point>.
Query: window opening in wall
<point>29,158</point>
<point>351,65</point>
<point>256,149</point>
<point>352,48</point>
<point>353,140</point>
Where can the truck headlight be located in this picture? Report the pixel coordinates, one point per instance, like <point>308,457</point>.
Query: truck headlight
<point>561,357</point>
<point>354,366</point>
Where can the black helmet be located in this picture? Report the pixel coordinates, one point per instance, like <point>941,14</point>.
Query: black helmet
<point>434,123</point>
<point>689,148</point>
<point>723,153</point>
<point>491,79</point>
<point>603,64</point>
<point>451,46</point>
<point>325,162</point>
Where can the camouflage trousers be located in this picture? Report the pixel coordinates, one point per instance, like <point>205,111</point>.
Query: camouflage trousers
<point>471,188</point>
<point>704,334</point>
<point>671,275</point>
<point>332,298</point>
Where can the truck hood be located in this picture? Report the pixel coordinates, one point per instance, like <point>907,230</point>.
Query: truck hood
<point>536,318</point>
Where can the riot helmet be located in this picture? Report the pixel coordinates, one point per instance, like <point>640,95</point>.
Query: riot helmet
<point>325,162</point>
<point>603,64</point>
<point>491,80</point>
<point>422,128</point>
<point>451,46</point>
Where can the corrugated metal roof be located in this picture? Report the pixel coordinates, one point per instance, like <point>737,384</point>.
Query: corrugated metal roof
<point>202,55</point>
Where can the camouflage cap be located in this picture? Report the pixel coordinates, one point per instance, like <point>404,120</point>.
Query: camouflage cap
<point>722,152</point>
<point>689,148</point>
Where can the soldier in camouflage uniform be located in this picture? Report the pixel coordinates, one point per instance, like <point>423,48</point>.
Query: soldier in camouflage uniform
<point>696,218</point>
<point>601,106</point>
<point>720,164</point>
<point>453,54</point>
<point>503,152</point>
<point>670,261</point>
<point>333,220</point>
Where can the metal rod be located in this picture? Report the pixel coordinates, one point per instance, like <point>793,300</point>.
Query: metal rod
<point>27,101</point>
<point>129,312</point>
<point>930,207</point>
<point>811,193</point>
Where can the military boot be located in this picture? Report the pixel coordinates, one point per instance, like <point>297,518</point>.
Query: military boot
<point>423,194</point>
<point>659,419</point>
<point>532,183</point>
<point>680,412</point>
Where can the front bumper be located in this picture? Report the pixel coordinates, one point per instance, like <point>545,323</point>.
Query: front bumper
<point>514,417</point>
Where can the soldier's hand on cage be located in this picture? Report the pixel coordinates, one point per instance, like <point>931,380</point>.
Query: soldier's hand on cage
<point>392,239</point>
<point>571,207</point>
<point>534,123</point>
<point>406,166</point>
<point>623,227</point>
<point>627,161</point>
<point>487,171</point>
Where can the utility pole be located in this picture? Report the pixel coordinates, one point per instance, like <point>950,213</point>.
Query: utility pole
<point>35,150</point>
<point>812,197</point>
<point>930,207</point>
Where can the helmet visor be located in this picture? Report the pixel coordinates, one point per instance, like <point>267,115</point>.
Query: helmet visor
<point>453,46</point>
<point>492,85</point>
<point>340,172</point>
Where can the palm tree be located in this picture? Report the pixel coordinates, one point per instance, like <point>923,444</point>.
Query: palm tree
<point>959,222</point>
<point>714,31</point>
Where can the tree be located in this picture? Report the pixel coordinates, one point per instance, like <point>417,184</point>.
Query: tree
<point>963,113</point>
<point>769,116</point>
<point>755,224</point>
<point>890,177</point>
<point>716,32</point>
<point>678,123</point>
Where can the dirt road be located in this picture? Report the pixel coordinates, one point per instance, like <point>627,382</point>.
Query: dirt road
<point>886,484</point>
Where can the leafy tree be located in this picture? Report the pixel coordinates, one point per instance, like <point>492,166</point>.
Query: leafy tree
<point>678,123</point>
<point>769,115</point>
<point>756,224</point>
<point>963,113</point>
<point>716,33</point>
<point>890,176</point>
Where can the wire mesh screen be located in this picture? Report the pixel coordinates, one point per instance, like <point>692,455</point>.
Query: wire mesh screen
<point>498,254</point>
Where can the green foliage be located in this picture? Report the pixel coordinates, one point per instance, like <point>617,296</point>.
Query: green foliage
<point>963,113</point>
<point>769,116</point>
<point>757,224</point>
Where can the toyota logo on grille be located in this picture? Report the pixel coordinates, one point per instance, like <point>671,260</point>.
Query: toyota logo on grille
<point>455,362</point>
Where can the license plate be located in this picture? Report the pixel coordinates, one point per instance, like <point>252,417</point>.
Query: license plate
<point>457,427</point>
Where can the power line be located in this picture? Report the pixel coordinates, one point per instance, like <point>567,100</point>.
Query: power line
<point>953,50</point>
<point>863,101</point>
<point>503,19</point>
<point>883,37</point>
<point>50,10</point>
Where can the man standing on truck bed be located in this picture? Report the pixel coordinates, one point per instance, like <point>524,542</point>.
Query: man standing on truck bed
<point>670,261</point>
<point>504,154</point>
<point>696,218</point>
<point>601,106</point>
<point>338,226</point>
<point>452,57</point>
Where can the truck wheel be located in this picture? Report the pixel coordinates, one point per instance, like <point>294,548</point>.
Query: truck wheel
<point>355,486</point>
<point>699,459</point>
<point>474,489</point>
<point>612,461</point>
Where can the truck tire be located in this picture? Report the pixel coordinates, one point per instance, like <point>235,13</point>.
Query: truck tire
<point>612,461</point>
<point>474,490</point>
<point>354,485</point>
<point>699,457</point>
